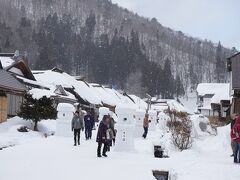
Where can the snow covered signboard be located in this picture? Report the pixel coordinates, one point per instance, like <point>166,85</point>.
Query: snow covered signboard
<point>65,115</point>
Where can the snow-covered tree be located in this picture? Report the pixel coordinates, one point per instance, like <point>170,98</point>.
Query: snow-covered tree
<point>37,109</point>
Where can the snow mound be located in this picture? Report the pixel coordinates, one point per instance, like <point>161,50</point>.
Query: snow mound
<point>201,126</point>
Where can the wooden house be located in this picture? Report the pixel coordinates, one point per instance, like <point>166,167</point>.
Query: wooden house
<point>12,67</point>
<point>11,95</point>
<point>233,67</point>
<point>213,99</point>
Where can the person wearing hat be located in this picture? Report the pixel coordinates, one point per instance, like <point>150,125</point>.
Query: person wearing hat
<point>77,126</point>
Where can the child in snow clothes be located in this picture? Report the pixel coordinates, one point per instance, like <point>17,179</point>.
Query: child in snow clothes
<point>235,136</point>
<point>77,126</point>
<point>102,136</point>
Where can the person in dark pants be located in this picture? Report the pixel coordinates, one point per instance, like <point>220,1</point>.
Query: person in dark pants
<point>77,126</point>
<point>102,136</point>
<point>235,136</point>
<point>89,123</point>
<point>145,126</point>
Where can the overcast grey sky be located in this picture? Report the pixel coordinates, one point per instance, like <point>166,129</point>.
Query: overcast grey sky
<point>216,20</point>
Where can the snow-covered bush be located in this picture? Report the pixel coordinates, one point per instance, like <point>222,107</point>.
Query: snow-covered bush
<point>180,127</point>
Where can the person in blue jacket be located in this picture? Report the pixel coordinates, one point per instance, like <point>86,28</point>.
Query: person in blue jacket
<point>89,123</point>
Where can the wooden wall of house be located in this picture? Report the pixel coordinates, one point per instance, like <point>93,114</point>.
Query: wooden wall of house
<point>3,108</point>
<point>235,108</point>
<point>14,103</point>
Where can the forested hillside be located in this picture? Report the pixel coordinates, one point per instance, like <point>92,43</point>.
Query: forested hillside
<point>109,45</point>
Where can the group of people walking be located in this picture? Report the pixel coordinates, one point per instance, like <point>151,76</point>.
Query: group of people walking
<point>106,131</point>
<point>235,137</point>
<point>79,123</point>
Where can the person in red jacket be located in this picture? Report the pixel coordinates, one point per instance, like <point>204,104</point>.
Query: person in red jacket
<point>235,136</point>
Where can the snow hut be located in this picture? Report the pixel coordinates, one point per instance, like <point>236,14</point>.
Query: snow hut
<point>64,118</point>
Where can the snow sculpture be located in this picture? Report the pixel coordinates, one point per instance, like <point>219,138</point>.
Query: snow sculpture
<point>153,120</point>
<point>202,126</point>
<point>162,122</point>
<point>125,128</point>
<point>139,116</point>
<point>64,119</point>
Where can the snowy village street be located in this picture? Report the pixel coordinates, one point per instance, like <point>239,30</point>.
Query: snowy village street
<point>119,90</point>
<point>36,157</point>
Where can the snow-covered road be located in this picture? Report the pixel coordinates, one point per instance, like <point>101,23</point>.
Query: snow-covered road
<point>55,158</point>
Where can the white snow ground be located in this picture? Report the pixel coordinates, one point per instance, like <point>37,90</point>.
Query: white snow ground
<point>55,158</point>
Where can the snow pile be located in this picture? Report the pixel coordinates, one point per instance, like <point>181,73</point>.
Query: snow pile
<point>6,61</point>
<point>9,135</point>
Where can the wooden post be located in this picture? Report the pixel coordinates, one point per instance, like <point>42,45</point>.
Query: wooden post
<point>3,108</point>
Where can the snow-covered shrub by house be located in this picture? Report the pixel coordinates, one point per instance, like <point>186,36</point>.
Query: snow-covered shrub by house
<point>180,127</point>
<point>37,109</point>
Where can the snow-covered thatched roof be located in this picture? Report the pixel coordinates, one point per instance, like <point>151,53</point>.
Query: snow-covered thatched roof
<point>82,88</point>
<point>106,97</point>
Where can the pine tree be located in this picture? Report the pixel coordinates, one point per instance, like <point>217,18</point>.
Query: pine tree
<point>193,77</point>
<point>179,87</point>
<point>168,82</point>
<point>37,109</point>
<point>220,66</point>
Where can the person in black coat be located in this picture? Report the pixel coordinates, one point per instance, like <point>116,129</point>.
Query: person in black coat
<point>102,136</point>
<point>89,123</point>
